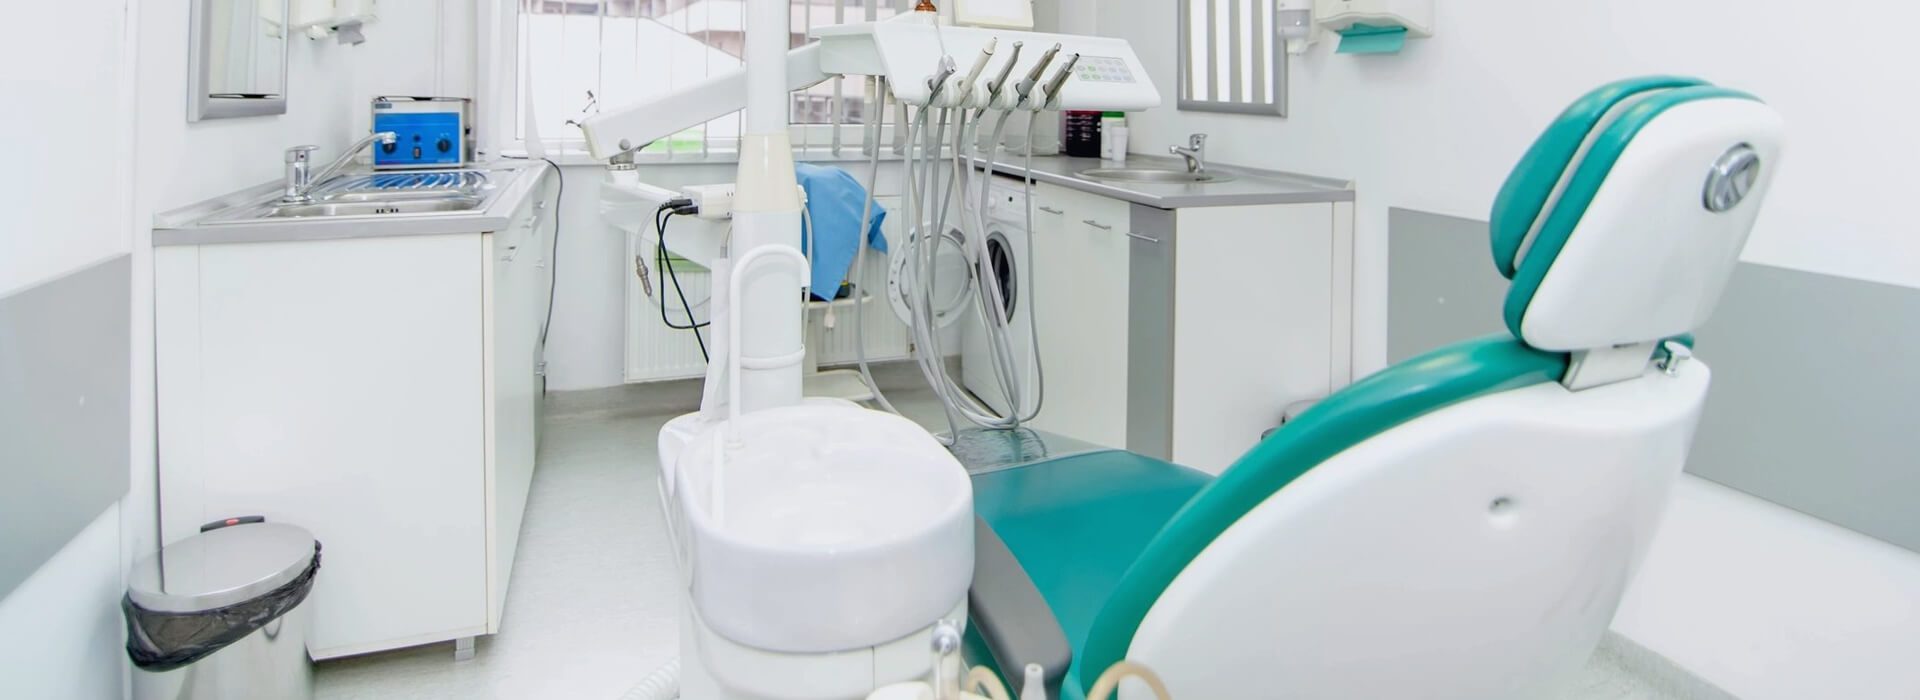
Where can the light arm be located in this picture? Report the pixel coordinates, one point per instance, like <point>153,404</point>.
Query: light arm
<point>644,122</point>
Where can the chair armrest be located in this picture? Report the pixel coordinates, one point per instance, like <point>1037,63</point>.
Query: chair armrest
<point>1010,614</point>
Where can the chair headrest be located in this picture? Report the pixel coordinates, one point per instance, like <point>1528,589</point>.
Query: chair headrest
<point>1624,220</point>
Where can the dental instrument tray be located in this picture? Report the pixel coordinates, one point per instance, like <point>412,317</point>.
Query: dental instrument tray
<point>431,132</point>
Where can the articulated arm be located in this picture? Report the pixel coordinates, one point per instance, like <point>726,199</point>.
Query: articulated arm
<point>641,123</point>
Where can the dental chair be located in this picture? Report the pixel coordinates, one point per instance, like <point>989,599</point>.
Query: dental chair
<point>1460,525</point>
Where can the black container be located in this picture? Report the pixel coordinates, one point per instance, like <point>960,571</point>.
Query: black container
<point>1080,134</point>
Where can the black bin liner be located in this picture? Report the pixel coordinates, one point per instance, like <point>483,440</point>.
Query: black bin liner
<point>159,641</point>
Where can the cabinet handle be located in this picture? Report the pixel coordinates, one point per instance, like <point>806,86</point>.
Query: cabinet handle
<point>1148,239</point>
<point>1051,210</point>
<point>1098,225</point>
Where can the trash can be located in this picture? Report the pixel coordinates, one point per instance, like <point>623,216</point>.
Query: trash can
<point>218,615</point>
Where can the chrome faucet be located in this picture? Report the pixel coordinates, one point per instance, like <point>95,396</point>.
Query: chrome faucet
<point>1195,153</point>
<point>301,179</point>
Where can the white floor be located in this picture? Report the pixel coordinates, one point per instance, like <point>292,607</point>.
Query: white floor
<point>591,608</point>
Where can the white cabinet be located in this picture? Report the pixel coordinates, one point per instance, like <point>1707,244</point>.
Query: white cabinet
<point>1186,334</point>
<point>380,392</point>
<point>1080,304</point>
<point>1258,323</point>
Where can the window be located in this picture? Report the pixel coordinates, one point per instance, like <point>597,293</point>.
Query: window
<point>1233,57</point>
<point>582,55</point>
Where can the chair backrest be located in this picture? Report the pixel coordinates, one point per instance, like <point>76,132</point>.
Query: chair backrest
<point>1464,523</point>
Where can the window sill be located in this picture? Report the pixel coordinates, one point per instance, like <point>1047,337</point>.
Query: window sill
<point>572,157</point>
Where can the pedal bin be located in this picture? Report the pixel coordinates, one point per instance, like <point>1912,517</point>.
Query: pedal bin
<point>218,615</point>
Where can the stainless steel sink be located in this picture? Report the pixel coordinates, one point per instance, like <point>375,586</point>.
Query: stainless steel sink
<point>1153,175</point>
<point>376,194</point>
<point>372,208</point>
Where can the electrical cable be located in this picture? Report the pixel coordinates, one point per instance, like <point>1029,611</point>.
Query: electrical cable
<point>553,258</point>
<point>666,264</point>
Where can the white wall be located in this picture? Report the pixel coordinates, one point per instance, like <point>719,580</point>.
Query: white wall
<point>1437,129</point>
<point>586,343</point>
<point>99,133</point>
<point>66,95</point>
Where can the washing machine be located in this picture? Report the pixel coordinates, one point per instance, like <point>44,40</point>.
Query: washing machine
<point>1007,256</point>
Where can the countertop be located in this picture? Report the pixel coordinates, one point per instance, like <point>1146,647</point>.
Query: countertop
<point>1250,186</point>
<point>514,182</point>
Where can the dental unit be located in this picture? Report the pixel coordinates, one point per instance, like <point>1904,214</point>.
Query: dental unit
<point>826,548</point>
<point>824,545</point>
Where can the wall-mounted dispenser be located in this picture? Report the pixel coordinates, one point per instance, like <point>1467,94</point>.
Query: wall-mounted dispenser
<point>1293,19</point>
<point>1375,26</point>
<point>343,19</point>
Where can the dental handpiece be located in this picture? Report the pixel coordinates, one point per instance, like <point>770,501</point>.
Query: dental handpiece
<point>1059,81</point>
<point>1025,87</point>
<point>999,82</point>
<point>979,64</point>
<point>938,81</point>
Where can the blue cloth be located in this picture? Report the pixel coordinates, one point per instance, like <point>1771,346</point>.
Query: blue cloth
<point>835,199</point>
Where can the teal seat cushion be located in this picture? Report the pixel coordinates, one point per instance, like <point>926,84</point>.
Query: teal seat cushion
<point>1077,523</point>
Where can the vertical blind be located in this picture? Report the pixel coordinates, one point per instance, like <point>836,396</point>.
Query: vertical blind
<point>579,56</point>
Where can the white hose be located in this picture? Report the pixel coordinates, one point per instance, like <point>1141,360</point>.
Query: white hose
<point>928,204</point>
<point>957,401</point>
<point>662,684</point>
<point>860,257</point>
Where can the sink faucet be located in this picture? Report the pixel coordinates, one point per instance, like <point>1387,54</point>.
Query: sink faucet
<point>301,179</point>
<point>1195,153</point>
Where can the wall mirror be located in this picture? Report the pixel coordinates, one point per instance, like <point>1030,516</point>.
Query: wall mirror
<point>237,65</point>
<point>1232,57</point>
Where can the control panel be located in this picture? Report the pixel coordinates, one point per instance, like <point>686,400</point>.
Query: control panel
<point>430,133</point>
<point>1103,69</point>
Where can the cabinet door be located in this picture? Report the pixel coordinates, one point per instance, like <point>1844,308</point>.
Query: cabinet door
<point>1253,321</point>
<point>333,385</point>
<point>1081,267</point>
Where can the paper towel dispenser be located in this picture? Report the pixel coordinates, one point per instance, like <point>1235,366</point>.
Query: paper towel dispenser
<point>341,19</point>
<point>1374,26</point>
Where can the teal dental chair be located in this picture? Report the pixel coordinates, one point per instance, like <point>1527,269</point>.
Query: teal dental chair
<point>1460,525</point>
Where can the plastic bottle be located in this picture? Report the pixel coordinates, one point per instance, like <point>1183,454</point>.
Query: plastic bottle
<point>1113,137</point>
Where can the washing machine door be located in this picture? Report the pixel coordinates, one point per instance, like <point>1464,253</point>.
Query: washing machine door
<point>953,280</point>
<point>1004,266</point>
<point>1005,255</point>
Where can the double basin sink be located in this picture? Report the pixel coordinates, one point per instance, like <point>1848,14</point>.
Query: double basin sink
<point>376,194</point>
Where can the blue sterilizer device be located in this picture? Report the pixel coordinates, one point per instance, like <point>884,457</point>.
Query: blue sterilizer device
<point>432,132</point>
